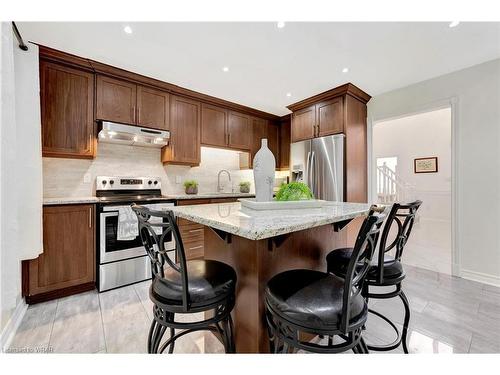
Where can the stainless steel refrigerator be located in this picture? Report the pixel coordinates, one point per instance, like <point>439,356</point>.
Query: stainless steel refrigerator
<point>319,163</point>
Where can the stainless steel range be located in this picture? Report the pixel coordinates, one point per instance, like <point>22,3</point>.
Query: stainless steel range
<point>121,258</point>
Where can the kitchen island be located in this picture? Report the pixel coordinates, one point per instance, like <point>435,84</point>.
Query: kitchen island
<point>260,244</point>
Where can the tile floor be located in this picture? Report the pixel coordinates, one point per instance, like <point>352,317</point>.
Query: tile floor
<point>448,315</point>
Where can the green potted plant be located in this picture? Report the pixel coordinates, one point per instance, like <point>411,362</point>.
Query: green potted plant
<point>245,187</point>
<point>294,191</point>
<point>191,187</point>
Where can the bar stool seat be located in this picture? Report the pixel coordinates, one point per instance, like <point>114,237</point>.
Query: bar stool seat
<point>313,299</point>
<point>209,281</point>
<point>385,270</point>
<point>302,302</point>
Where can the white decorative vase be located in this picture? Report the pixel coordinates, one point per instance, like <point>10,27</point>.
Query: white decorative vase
<point>264,165</point>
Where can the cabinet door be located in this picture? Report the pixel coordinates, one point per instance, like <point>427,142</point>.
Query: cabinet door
<point>259,131</point>
<point>68,249</point>
<point>273,140</point>
<point>67,102</point>
<point>153,108</point>
<point>330,117</point>
<point>184,145</point>
<point>213,126</point>
<point>116,100</point>
<point>303,123</point>
<point>284,145</point>
<point>239,131</point>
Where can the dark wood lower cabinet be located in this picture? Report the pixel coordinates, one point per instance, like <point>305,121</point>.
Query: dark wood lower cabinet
<point>193,234</point>
<point>67,264</point>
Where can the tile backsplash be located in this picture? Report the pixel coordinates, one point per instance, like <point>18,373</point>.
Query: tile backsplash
<point>76,177</point>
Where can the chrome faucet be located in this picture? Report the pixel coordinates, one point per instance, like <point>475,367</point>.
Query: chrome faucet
<point>219,187</point>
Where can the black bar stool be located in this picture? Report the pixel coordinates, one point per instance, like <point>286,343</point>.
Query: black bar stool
<point>387,270</point>
<point>314,302</point>
<point>185,286</point>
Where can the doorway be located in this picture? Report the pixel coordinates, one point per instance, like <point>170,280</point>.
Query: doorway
<point>413,160</point>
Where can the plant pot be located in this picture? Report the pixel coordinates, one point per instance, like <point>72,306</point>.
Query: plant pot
<point>244,189</point>
<point>192,190</point>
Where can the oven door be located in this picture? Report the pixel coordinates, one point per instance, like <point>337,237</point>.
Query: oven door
<point>111,248</point>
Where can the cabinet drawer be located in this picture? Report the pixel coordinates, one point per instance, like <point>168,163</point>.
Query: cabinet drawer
<point>192,234</point>
<point>194,249</point>
<point>189,202</point>
<point>185,223</point>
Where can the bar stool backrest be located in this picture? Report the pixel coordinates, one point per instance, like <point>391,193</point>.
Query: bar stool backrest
<point>360,261</point>
<point>403,216</point>
<point>154,243</point>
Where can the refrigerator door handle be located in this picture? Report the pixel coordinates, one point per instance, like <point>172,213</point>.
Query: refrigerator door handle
<point>308,170</point>
<point>313,176</point>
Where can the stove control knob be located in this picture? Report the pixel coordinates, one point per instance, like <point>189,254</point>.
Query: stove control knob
<point>111,182</point>
<point>104,182</point>
<point>156,182</point>
<point>150,182</point>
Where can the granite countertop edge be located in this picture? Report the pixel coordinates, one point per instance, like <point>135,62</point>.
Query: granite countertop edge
<point>49,201</point>
<point>265,234</point>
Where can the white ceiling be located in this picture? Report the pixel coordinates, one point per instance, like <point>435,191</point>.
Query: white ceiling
<point>265,62</point>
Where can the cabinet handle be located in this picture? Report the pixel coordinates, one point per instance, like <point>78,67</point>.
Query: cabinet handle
<point>133,114</point>
<point>195,230</point>
<point>90,217</point>
<point>138,115</point>
<point>229,138</point>
<point>195,247</point>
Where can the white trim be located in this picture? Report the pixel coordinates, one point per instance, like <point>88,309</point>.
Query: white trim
<point>480,277</point>
<point>452,103</point>
<point>12,325</point>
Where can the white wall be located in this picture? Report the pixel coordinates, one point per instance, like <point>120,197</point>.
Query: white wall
<point>65,177</point>
<point>421,135</point>
<point>21,173</point>
<point>477,133</point>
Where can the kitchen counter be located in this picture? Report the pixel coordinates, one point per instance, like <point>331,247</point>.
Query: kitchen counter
<point>260,244</point>
<point>69,200</point>
<point>257,225</point>
<point>82,200</point>
<point>209,196</point>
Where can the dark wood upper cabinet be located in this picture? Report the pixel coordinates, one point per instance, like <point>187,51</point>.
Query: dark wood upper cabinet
<point>153,108</point>
<point>185,124</point>
<point>330,117</point>
<point>239,130</point>
<point>67,114</point>
<point>259,131</point>
<point>68,258</point>
<point>116,100</point>
<point>214,126</point>
<point>303,124</point>
<point>273,140</point>
<point>284,163</point>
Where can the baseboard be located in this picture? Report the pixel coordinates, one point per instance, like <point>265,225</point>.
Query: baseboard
<point>480,277</point>
<point>13,324</point>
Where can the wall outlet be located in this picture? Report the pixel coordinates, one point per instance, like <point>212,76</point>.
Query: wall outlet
<point>86,178</point>
<point>177,179</point>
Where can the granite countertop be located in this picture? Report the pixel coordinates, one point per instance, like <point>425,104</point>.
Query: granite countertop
<point>90,199</point>
<point>257,225</point>
<point>69,200</point>
<point>209,195</point>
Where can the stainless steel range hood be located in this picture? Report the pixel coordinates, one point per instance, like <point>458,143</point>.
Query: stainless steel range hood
<point>133,135</point>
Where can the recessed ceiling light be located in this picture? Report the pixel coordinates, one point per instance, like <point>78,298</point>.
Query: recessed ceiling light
<point>345,70</point>
<point>225,69</point>
<point>288,94</point>
<point>127,29</point>
<point>280,24</point>
<point>454,24</point>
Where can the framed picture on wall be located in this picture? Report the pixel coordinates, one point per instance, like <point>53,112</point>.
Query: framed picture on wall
<point>426,165</point>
